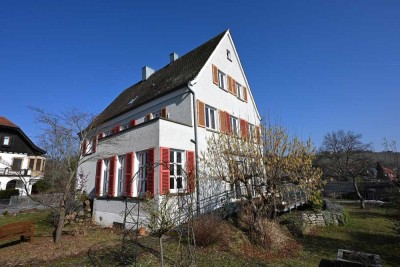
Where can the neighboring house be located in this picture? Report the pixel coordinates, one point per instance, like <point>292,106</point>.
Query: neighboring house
<point>21,161</point>
<point>161,119</point>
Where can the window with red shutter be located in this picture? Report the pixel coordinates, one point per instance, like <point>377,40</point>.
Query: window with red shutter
<point>245,94</point>
<point>97,183</point>
<point>190,171</point>
<point>164,170</point>
<point>132,123</point>
<point>150,171</point>
<point>129,172</point>
<point>84,147</point>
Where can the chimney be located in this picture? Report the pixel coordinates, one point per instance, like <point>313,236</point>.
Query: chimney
<point>146,72</point>
<point>172,57</point>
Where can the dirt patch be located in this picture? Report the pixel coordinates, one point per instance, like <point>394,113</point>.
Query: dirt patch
<point>43,249</point>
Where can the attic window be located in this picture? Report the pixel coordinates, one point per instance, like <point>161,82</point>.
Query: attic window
<point>228,55</point>
<point>6,140</point>
<point>132,100</point>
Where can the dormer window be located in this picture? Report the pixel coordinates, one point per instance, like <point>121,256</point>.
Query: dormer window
<point>6,140</point>
<point>228,55</point>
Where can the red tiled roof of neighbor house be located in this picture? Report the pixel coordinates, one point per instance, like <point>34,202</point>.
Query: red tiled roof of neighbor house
<point>6,122</point>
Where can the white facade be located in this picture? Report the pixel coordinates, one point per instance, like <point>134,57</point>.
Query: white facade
<point>30,170</point>
<point>174,131</point>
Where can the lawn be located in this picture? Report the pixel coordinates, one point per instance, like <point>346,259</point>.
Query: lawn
<point>369,231</point>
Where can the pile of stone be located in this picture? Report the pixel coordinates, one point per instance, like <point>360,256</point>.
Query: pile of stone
<point>83,215</point>
<point>323,218</point>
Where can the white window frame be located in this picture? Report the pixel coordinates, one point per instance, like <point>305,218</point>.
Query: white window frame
<point>251,131</point>
<point>105,176</point>
<point>222,80</point>
<point>121,175</point>
<point>176,173</point>
<point>234,123</point>
<point>6,140</point>
<point>141,179</point>
<point>209,120</point>
<point>239,90</point>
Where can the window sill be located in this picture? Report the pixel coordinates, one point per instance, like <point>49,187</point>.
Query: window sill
<point>211,130</point>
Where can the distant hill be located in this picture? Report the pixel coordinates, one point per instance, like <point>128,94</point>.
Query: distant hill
<point>388,159</point>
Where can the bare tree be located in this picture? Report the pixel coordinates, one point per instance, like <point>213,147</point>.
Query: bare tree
<point>61,138</point>
<point>345,158</point>
<point>261,161</point>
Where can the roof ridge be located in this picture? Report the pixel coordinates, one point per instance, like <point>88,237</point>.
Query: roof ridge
<point>6,122</point>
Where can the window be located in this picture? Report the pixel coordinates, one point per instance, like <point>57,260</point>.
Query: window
<point>142,173</point>
<point>121,175</point>
<point>106,167</point>
<point>31,163</point>
<point>228,55</point>
<point>211,118</point>
<point>234,125</point>
<point>125,126</point>
<point>176,175</point>
<point>16,166</point>
<point>251,131</point>
<point>38,164</point>
<point>6,140</point>
<point>222,80</point>
<point>162,113</point>
<point>239,90</point>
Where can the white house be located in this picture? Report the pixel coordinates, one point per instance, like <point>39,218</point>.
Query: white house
<point>21,161</point>
<point>167,117</point>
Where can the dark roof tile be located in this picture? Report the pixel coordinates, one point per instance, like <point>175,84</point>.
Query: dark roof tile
<point>171,77</point>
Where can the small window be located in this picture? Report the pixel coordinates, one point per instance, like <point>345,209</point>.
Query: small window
<point>6,140</point>
<point>234,125</point>
<point>106,166</point>
<point>228,55</point>
<point>31,163</point>
<point>251,131</point>
<point>211,118</point>
<point>121,175</point>
<point>222,80</point>
<point>16,166</point>
<point>38,164</point>
<point>125,126</point>
<point>239,91</point>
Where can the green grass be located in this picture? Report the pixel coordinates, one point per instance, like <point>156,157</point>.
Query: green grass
<point>370,231</point>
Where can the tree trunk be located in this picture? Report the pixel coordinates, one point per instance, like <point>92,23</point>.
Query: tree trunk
<point>60,225</point>
<point>161,252</point>
<point>360,197</point>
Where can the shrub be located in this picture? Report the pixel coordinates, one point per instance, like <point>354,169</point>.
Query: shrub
<point>208,229</point>
<point>6,194</point>
<point>41,186</point>
<point>332,207</point>
<point>272,236</point>
<point>294,223</point>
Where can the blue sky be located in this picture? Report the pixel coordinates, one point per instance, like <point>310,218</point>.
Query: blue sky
<point>316,66</point>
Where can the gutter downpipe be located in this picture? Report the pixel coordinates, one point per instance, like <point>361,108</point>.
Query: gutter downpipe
<point>196,149</point>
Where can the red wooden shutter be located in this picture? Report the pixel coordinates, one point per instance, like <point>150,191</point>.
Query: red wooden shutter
<point>228,122</point>
<point>234,89</point>
<point>101,135</point>
<point>243,128</point>
<point>129,172</point>
<point>201,114</point>
<point>84,147</point>
<point>150,171</point>
<point>164,170</point>
<point>111,176</point>
<point>132,123</point>
<point>222,124</point>
<point>99,168</point>
<point>244,94</point>
<point>190,171</point>
<point>94,145</point>
<point>215,74</point>
<point>230,84</point>
<point>164,112</point>
<point>258,133</point>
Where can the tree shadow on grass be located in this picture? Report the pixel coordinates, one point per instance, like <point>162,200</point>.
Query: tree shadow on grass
<point>386,246</point>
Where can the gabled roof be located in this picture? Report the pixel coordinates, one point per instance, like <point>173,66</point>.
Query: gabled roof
<point>171,77</point>
<point>6,123</point>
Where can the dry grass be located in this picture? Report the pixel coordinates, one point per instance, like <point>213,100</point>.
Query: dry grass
<point>209,229</point>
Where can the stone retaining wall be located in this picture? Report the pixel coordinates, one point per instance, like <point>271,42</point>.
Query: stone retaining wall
<point>322,219</point>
